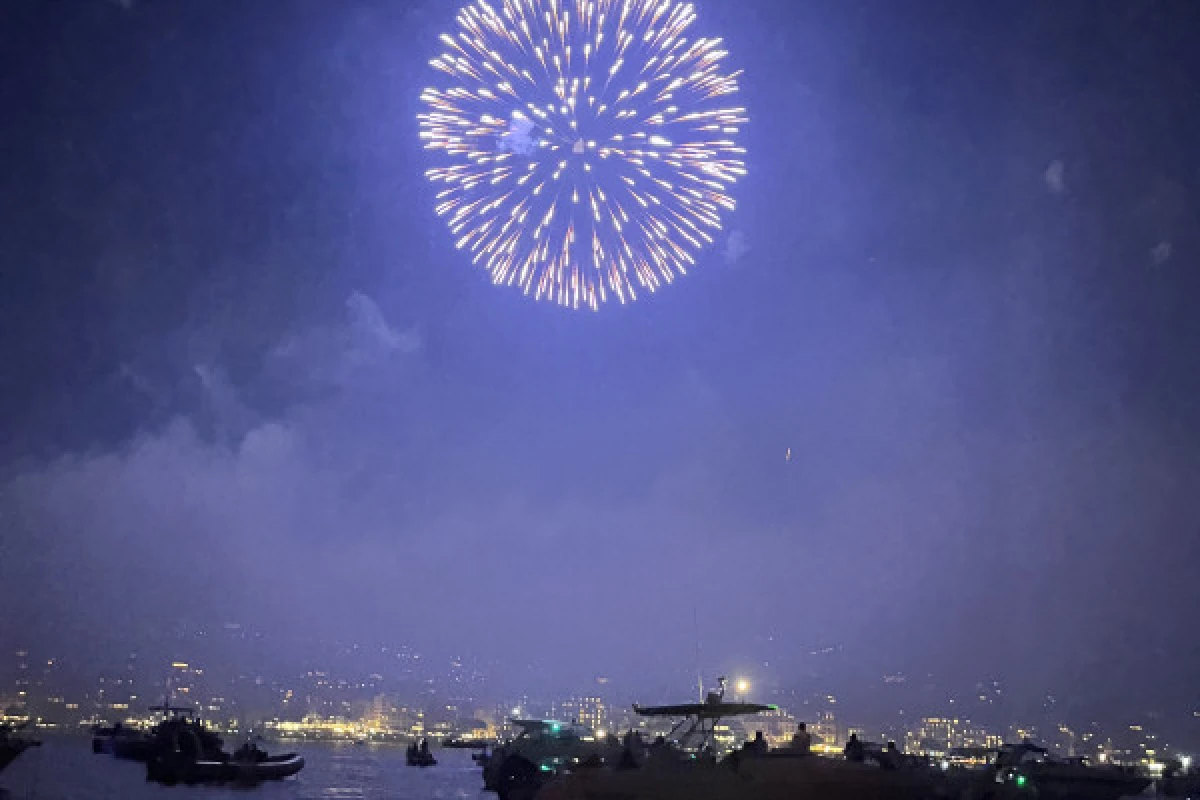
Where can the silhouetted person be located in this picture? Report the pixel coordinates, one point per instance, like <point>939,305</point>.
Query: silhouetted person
<point>854,749</point>
<point>890,757</point>
<point>424,747</point>
<point>802,740</point>
<point>758,745</point>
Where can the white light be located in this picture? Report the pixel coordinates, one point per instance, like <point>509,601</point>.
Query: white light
<point>1185,762</point>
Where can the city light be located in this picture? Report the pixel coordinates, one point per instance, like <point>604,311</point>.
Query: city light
<point>336,704</point>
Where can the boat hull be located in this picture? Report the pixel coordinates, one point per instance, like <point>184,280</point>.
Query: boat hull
<point>11,748</point>
<point>426,760</point>
<point>761,778</point>
<point>172,771</point>
<point>129,748</point>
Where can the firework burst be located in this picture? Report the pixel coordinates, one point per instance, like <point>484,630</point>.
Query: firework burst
<point>586,146</point>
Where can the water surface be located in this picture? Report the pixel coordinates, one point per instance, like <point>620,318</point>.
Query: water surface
<point>65,768</point>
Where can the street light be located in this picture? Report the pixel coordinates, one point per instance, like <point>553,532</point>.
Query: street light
<point>743,686</point>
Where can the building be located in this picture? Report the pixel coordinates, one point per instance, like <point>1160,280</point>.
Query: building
<point>937,736</point>
<point>825,734</point>
<point>778,726</point>
<point>23,682</point>
<point>587,711</point>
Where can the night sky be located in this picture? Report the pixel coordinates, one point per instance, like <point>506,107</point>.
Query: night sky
<point>245,375</point>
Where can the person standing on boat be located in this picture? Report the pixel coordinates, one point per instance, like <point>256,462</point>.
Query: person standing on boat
<point>854,749</point>
<point>802,740</point>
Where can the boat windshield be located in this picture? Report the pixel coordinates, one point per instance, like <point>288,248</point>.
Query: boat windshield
<point>553,729</point>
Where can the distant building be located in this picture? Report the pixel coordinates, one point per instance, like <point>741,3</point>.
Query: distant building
<point>23,683</point>
<point>824,730</point>
<point>937,736</point>
<point>778,726</point>
<point>588,711</point>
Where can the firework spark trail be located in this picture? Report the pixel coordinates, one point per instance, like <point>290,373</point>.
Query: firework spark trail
<point>587,146</point>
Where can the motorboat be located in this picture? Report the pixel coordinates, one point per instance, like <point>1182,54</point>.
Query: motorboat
<point>12,746</point>
<point>690,764</point>
<point>541,749</point>
<point>1027,765</point>
<point>419,756</point>
<point>175,769</point>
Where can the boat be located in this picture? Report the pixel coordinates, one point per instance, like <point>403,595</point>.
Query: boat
<point>1019,771</point>
<point>122,742</point>
<point>176,770</point>
<point>419,755</point>
<point>1027,765</point>
<point>11,746</point>
<point>545,749</point>
<point>102,739</point>
<point>542,749</point>
<point>690,764</point>
<point>249,766</point>
<point>466,744</point>
<point>1180,778</point>
<point>132,744</point>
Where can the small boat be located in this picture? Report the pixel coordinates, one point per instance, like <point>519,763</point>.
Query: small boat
<point>173,770</point>
<point>271,768</point>
<point>419,756</point>
<point>132,744</point>
<point>12,746</point>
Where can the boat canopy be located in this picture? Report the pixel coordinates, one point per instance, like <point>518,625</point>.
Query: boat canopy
<point>551,727</point>
<point>709,710</point>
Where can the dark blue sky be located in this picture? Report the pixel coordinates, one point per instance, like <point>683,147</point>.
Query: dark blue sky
<point>244,373</point>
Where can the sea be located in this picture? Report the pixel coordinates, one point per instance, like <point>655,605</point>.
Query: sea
<point>64,768</point>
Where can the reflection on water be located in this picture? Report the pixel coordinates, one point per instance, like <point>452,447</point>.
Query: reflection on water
<point>65,769</point>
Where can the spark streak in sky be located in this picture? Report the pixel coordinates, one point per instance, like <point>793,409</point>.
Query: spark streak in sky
<point>586,147</point>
